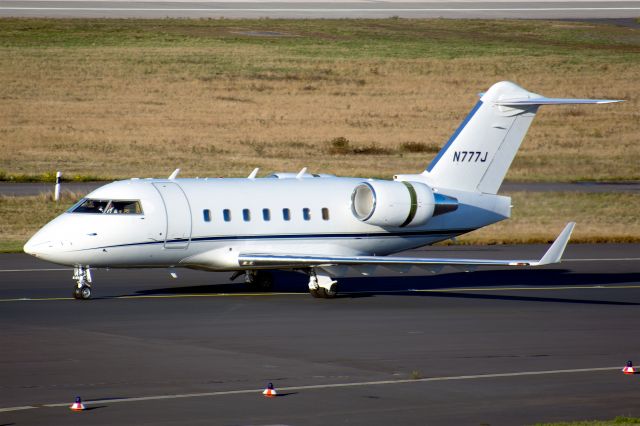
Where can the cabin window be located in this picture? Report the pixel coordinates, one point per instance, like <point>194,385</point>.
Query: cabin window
<point>226,214</point>
<point>246,215</point>
<point>286,214</point>
<point>206,213</point>
<point>306,214</point>
<point>266,215</point>
<point>325,213</point>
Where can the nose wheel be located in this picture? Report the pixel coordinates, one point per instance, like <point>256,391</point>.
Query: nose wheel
<point>83,292</point>
<point>82,275</point>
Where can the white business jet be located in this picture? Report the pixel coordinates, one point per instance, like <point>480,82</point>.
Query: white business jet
<point>318,224</point>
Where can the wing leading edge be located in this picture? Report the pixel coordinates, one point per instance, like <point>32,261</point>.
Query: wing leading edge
<point>280,260</point>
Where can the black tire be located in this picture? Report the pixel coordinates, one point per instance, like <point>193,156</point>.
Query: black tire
<point>323,293</point>
<point>318,293</point>
<point>263,281</point>
<point>84,292</point>
<point>332,292</point>
<point>76,293</point>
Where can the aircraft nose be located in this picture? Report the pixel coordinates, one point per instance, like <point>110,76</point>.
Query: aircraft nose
<point>35,246</point>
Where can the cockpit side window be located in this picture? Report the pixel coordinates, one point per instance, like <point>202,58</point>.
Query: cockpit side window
<point>90,206</point>
<point>124,207</point>
<point>107,206</point>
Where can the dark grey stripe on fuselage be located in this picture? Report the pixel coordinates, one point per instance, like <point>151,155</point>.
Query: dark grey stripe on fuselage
<point>444,233</point>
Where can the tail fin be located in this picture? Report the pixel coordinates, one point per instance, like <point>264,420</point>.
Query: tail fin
<point>479,154</point>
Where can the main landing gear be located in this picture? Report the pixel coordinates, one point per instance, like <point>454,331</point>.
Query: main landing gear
<point>258,280</point>
<point>322,285</point>
<point>82,275</point>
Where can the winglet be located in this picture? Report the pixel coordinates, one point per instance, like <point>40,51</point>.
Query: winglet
<point>554,253</point>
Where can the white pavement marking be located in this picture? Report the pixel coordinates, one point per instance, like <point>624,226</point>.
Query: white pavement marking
<point>36,270</point>
<point>611,259</point>
<point>433,290</point>
<point>319,10</point>
<point>26,407</point>
<point>324,386</point>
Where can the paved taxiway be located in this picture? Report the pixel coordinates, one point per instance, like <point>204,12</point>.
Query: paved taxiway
<point>197,350</point>
<point>568,9</point>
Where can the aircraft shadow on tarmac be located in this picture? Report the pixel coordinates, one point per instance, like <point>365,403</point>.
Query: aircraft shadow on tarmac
<point>353,287</point>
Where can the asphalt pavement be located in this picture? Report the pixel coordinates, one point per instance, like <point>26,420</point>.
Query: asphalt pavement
<point>496,346</point>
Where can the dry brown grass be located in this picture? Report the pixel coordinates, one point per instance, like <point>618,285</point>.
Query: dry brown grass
<point>21,217</point>
<point>540,216</point>
<point>220,109</point>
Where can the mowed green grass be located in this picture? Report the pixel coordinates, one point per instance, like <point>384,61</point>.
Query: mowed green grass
<point>536,218</point>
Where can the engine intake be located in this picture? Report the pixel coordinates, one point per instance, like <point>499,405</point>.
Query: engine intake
<point>394,203</point>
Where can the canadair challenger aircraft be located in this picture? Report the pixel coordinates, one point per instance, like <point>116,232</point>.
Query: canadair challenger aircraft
<point>319,224</point>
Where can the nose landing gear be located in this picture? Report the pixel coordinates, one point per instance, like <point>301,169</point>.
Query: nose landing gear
<point>82,275</point>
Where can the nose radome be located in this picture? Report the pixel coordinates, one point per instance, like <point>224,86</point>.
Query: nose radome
<point>35,246</point>
<point>28,247</point>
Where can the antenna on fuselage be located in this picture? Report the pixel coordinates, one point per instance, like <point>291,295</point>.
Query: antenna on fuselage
<point>174,174</point>
<point>254,173</point>
<point>301,173</point>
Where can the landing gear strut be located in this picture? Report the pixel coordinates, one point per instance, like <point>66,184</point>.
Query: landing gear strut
<point>258,280</point>
<point>322,285</point>
<point>82,275</point>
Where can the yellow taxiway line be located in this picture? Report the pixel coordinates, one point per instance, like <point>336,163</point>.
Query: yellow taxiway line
<point>576,287</point>
<point>153,296</point>
<point>437,290</point>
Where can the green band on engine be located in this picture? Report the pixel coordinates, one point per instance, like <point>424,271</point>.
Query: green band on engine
<point>414,204</point>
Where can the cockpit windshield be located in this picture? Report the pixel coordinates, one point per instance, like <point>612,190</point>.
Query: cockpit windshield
<point>88,205</point>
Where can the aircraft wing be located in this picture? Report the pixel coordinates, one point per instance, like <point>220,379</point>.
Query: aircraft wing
<point>281,260</point>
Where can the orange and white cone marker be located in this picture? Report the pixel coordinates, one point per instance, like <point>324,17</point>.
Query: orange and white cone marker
<point>629,368</point>
<point>78,405</point>
<point>270,391</point>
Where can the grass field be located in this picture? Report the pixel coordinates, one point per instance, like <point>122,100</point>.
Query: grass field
<point>122,98</point>
<point>536,218</point>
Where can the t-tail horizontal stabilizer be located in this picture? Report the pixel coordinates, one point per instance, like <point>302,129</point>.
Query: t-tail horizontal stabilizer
<point>478,155</point>
<point>283,260</point>
<point>552,101</point>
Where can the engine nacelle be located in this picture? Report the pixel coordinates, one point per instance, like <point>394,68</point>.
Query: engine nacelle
<point>398,203</point>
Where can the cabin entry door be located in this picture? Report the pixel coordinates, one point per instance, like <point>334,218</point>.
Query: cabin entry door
<point>178,214</point>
